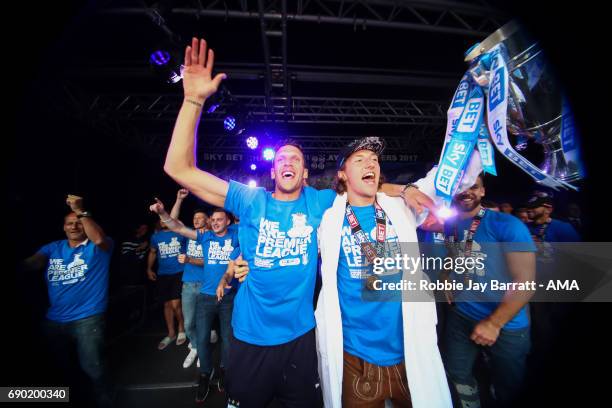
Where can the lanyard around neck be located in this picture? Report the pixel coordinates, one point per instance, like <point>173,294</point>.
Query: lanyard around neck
<point>361,238</point>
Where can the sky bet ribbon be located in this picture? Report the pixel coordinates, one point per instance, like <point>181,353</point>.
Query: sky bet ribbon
<point>462,135</point>
<point>487,156</point>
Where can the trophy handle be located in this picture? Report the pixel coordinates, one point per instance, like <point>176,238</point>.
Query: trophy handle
<point>495,38</point>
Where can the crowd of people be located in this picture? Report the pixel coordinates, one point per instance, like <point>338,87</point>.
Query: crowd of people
<point>347,345</point>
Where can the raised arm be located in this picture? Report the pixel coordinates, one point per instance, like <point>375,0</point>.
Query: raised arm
<point>176,208</point>
<point>180,164</point>
<point>93,231</point>
<point>172,224</point>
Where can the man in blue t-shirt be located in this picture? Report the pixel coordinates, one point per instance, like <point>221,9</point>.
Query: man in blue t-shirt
<point>489,316</point>
<point>273,347</point>
<point>218,246</point>
<point>77,281</point>
<point>192,275</point>
<point>165,248</point>
<point>375,343</point>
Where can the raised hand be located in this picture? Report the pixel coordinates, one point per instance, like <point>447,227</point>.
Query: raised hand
<point>198,83</point>
<point>182,194</point>
<point>75,203</point>
<point>158,207</point>
<point>417,200</point>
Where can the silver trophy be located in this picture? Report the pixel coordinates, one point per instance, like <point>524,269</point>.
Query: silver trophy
<point>539,125</point>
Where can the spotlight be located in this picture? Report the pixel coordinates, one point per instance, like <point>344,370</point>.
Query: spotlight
<point>252,142</point>
<point>159,57</point>
<point>229,123</point>
<point>213,107</point>
<point>445,213</point>
<point>253,166</point>
<point>268,154</point>
<point>166,64</point>
<point>252,184</point>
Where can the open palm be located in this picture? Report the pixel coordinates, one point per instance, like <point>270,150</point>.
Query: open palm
<point>197,74</point>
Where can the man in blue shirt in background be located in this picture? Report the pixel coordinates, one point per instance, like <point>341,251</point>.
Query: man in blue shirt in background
<point>165,248</point>
<point>193,272</point>
<point>495,320</point>
<point>77,271</point>
<point>217,245</point>
<point>543,227</point>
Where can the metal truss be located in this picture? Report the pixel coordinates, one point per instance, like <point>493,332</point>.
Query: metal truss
<point>124,118</point>
<point>470,17</point>
<point>274,40</point>
<point>419,140</point>
<point>319,110</point>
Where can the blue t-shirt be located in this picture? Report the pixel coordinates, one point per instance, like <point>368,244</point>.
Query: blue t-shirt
<point>193,273</point>
<point>557,231</point>
<point>371,320</point>
<point>497,234</point>
<point>279,241</point>
<point>77,280</point>
<point>217,251</point>
<point>168,245</point>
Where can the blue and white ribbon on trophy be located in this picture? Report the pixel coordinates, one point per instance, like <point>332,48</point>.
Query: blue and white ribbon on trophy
<point>465,129</point>
<point>484,86</point>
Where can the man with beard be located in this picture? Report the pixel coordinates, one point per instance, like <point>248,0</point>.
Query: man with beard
<point>77,281</point>
<point>273,344</point>
<point>494,320</point>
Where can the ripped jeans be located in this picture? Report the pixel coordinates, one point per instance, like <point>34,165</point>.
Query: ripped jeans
<point>508,356</point>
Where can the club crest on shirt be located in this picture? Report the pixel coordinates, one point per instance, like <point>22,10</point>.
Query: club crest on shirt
<point>299,228</point>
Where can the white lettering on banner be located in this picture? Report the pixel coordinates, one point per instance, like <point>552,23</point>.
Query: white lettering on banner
<point>273,243</point>
<point>444,177</point>
<point>469,119</point>
<point>461,95</point>
<point>497,129</point>
<point>457,153</point>
<point>496,90</point>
